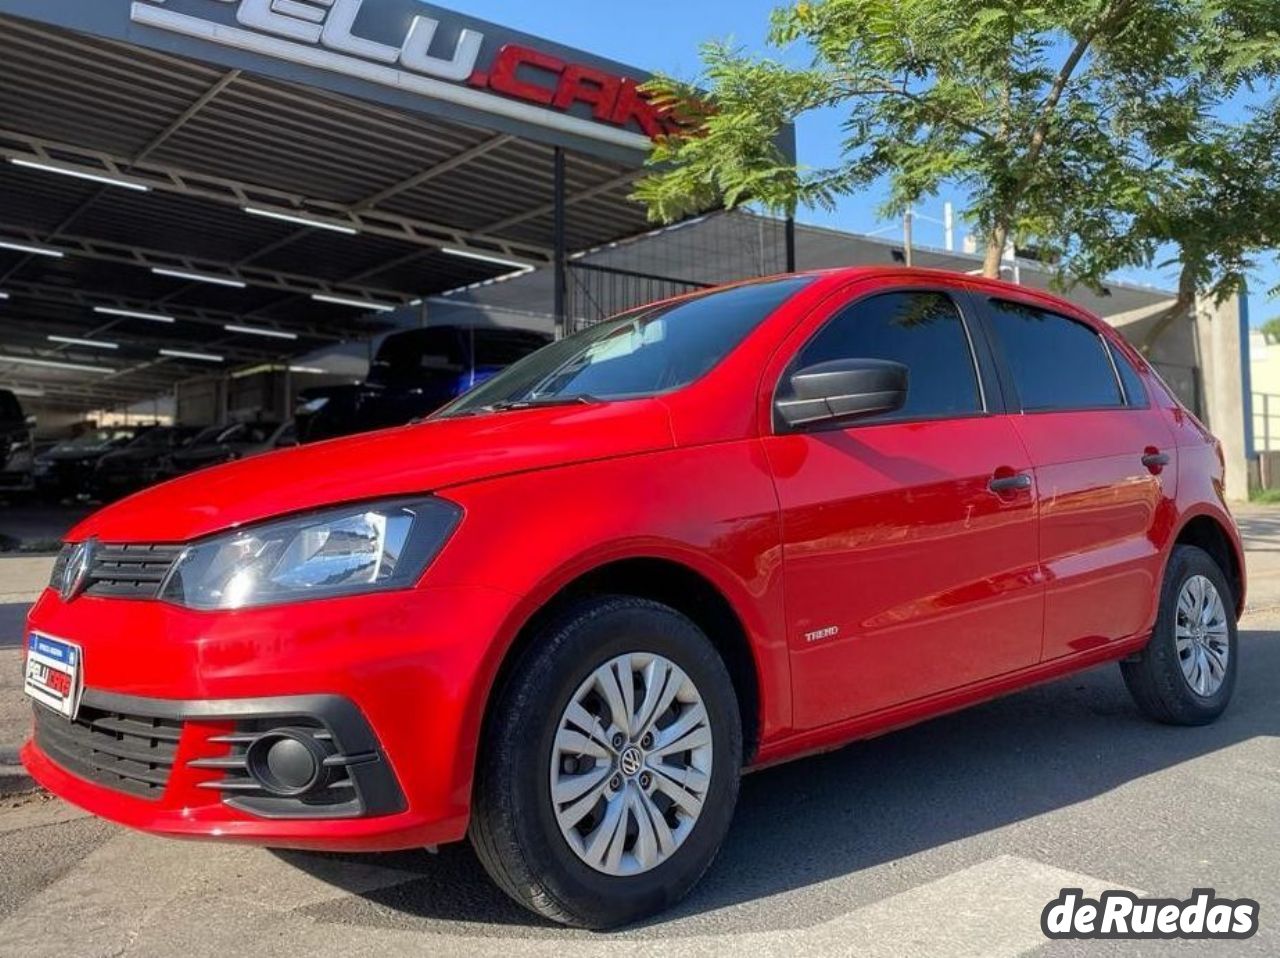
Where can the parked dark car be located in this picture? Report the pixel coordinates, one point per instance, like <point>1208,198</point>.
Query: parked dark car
<point>65,471</point>
<point>223,444</point>
<point>414,373</point>
<point>16,444</point>
<point>140,463</point>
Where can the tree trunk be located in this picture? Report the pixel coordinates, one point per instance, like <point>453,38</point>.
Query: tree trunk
<point>995,252</point>
<point>1185,300</point>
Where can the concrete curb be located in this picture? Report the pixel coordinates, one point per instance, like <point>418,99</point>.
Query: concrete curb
<point>14,780</point>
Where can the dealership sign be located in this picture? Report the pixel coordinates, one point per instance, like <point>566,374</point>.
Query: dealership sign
<point>429,55</point>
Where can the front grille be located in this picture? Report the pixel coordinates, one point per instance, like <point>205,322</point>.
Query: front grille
<point>128,753</point>
<point>132,571</point>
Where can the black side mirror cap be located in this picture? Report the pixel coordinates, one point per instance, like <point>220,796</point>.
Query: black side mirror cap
<point>843,389</point>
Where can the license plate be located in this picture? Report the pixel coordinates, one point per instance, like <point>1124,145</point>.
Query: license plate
<point>55,674</point>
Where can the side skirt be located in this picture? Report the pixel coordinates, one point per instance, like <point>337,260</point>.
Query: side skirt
<point>831,737</point>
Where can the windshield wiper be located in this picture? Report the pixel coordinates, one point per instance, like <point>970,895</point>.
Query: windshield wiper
<point>506,405</point>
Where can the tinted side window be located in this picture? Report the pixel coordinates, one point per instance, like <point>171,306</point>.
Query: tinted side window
<point>1056,362</point>
<point>1135,393</point>
<point>921,330</point>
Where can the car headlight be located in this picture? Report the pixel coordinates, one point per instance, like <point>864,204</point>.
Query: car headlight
<point>312,406</point>
<point>352,549</point>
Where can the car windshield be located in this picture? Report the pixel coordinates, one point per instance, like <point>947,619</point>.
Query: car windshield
<point>410,358</point>
<point>249,432</point>
<point>152,438</point>
<point>207,435</point>
<point>645,352</point>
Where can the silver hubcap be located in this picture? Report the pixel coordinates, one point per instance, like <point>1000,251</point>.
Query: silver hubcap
<point>631,764</point>
<point>1202,636</point>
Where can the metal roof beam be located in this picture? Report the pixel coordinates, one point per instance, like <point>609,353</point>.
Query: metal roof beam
<point>157,259</point>
<point>207,97</point>
<point>168,179</point>
<point>183,314</point>
<point>33,331</point>
<point>418,179</point>
<point>548,208</point>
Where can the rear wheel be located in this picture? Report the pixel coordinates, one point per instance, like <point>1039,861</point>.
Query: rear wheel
<point>609,770</point>
<point>1187,673</point>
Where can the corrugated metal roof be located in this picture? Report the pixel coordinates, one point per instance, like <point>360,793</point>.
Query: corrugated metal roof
<point>208,140</point>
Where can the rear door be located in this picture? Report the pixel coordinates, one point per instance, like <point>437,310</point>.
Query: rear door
<point>909,539</point>
<point>1105,468</point>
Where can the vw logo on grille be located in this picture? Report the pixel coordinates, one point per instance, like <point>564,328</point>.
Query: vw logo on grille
<point>630,761</point>
<point>76,576</point>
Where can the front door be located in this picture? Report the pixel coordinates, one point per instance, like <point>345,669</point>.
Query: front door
<point>909,539</point>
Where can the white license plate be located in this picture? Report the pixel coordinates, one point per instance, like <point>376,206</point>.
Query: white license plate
<point>55,673</point>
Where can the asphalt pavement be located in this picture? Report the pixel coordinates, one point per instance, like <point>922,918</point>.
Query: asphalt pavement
<point>943,839</point>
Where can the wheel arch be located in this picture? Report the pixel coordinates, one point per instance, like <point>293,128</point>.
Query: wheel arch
<point>674,584</point>
<point>1211,534</point>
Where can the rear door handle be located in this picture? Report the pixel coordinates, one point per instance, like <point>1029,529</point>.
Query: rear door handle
<point>1155,460</point>
<point>1015,483</point>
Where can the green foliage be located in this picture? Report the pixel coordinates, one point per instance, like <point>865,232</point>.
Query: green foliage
<point>1271,329</point>
<point>1086,126</point>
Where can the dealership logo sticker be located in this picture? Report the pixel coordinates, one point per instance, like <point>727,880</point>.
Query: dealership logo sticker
<point>1120,914</point>
<point>517,80</point>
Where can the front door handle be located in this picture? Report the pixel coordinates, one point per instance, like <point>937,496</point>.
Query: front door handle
<point>1015,483</point>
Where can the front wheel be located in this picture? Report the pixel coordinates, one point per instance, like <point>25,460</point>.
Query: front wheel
<point>1187,672</point>
<point>609,768</point>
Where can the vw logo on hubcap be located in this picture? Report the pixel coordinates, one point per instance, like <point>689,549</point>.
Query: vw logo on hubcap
<point>630,761</point>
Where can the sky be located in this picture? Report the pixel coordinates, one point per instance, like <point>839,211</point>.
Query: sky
<point>664,35</point>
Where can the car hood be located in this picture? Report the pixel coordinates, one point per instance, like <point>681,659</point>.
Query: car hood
<point>407,460</point>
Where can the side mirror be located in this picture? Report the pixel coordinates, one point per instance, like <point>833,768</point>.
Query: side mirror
<point>31,422</point>
<point>843,389</point>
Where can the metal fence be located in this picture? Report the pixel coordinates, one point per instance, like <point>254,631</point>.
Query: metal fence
<point>723,247</point>
<point>597,292</point>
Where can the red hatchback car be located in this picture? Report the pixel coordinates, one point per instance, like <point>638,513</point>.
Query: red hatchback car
<point>565,613</point>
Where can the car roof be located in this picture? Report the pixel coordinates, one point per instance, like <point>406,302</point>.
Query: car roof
<point>943,277</point>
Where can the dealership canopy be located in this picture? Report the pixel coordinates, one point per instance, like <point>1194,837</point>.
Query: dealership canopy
<point>194,185</point>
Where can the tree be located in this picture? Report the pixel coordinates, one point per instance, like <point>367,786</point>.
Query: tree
<point>1089,127</point>
<point>1271,329</point>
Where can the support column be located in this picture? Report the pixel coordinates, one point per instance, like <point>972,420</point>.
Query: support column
<point>1223,333</point>
<point>791,243</point>
<point>561,253</point>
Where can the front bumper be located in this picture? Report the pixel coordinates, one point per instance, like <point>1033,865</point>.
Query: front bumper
<point>398,678</point>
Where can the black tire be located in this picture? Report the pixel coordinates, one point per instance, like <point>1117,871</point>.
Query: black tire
<point>1154,677</point>
<point>513,824</point>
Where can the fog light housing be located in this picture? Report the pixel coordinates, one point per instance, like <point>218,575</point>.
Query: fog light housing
<point>288,762</point>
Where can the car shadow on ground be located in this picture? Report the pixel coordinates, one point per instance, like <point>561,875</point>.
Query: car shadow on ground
<point>871,803</point>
